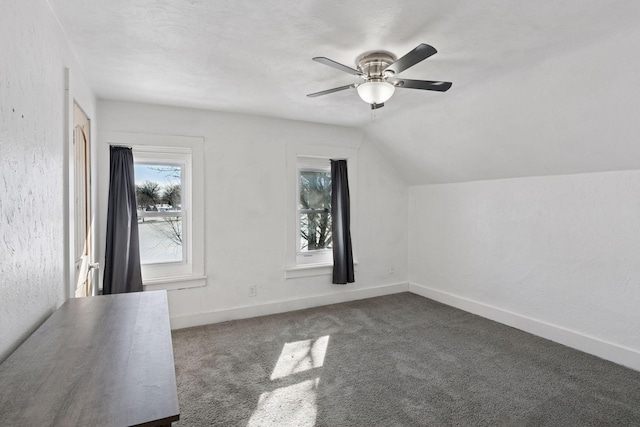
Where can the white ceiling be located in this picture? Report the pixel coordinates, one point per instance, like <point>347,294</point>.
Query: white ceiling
<point>530,79</point>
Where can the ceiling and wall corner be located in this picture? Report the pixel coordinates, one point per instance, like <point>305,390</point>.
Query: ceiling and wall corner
<point>530,80</point>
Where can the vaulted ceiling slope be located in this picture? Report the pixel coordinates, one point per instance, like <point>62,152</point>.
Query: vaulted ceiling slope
<point>538,87</point>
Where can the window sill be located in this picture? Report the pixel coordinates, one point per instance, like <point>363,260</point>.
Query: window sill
<point>310,270</point>
<point>175,283</point>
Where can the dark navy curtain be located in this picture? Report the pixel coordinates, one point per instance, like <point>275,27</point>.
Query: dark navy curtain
<point>122,257</point>
<point>340,220</point>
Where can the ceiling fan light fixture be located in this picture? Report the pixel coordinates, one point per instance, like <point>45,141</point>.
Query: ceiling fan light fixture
<point>375,92</point>
<point>376,67</point>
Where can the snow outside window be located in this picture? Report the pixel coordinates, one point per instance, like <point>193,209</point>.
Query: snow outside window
<point>160,215</point>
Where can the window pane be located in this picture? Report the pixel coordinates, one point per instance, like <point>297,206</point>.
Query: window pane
<point>315,210</point>
<point>158,189</point>
<point>160,239</point>
<point>315,231</point>
<point>315,190</point>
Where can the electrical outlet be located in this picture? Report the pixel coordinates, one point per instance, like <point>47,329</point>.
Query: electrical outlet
<point>253,290</point>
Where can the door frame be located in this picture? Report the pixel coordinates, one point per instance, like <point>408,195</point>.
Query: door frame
<point>75,91</point>
<point>83,255</point>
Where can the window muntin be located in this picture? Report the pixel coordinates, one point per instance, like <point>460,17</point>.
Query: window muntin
<point>160,215</point>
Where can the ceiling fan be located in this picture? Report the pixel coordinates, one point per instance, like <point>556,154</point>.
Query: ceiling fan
<point>378,71</point>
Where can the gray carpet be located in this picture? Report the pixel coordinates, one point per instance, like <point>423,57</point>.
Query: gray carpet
<point>398,360</point>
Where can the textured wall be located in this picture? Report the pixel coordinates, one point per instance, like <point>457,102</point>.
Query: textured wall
<point>561,250</point>
<point>32,150</point>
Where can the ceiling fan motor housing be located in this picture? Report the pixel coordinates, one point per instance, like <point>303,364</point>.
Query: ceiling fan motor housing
<point>372,65</point>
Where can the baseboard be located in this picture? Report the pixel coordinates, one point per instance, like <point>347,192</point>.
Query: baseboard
<point>606,350</point>
<point>218,316</point>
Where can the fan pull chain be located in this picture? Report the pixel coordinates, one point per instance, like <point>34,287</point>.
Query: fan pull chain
<point>373,116</point>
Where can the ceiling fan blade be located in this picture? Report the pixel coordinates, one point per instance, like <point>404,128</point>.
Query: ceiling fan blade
<point>337,65</point>
<point>420,53</point>
<point>423,84</point>
<point>335,89</point>
<point>376,106</point>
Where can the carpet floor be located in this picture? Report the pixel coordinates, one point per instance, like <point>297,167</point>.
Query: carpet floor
<point>397,360</point>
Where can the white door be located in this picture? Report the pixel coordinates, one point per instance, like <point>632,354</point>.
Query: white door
<point>83,255</point>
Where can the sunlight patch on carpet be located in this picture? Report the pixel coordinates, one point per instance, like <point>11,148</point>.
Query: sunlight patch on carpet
<point>300,356</point>
<point>294,405</point>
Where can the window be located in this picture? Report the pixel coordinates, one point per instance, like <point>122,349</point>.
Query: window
<point>314,211</point>
<point>169,173</point>
<point>309,241</point>
<point>160,214</point>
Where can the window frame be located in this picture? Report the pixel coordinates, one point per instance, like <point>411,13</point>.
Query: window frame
<point>301,154</point>
<point>170,149</point>
<point>316,256</point>
<point>147,155</point>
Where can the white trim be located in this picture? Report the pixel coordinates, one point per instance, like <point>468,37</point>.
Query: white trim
<point>68,192</point>
<point>181,156</point>
<point>321,256</point>
<point>75,94</point>
<point>314,156</point>
<point>309,270</point>
<point>616,353</point>
<point>186,150</point>
<point>175,283</point>
<point>169,143</point>
<point>245,312</point>
<point>314,163</point>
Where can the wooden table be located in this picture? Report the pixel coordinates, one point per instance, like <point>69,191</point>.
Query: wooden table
<point>97,361</point>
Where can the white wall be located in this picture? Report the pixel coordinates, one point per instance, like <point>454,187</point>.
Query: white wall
<point>556,256</point>
<point>245,211</point>
<point>33,166</point>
